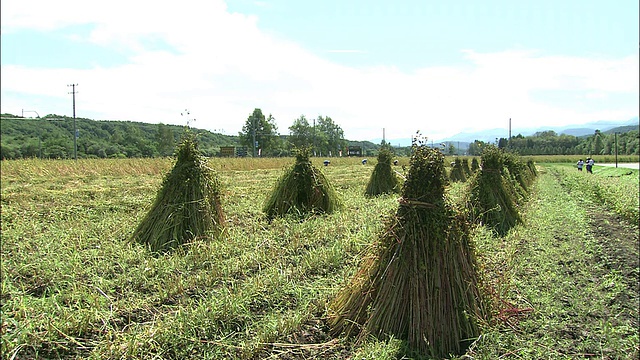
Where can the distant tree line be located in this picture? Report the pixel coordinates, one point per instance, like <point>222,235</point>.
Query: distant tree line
<point>551,143</point>
<point>51,137</point>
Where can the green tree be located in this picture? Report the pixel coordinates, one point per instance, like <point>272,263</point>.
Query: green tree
<point>165,140</point>
<point>632,143</point>
<point>598,143</point>
<point>260,132</point>
<point>451,149</point>
<point>301,132</point>
<point>9,152</point>
<point>31,148</point>
<point>330,136</point>
<point>116,137</point>
<point>57,148</point>
<point>475,148</point>
<point>324,137</point>
<point>96,150</point>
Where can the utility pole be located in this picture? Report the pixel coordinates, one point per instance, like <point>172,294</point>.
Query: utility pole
<point>75,131</point>
<point>254,137</point>
<point>615,134</point>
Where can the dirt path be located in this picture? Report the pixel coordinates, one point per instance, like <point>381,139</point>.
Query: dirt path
<point>622,165</point>
<point>621,249</point>
<point>615,266</point>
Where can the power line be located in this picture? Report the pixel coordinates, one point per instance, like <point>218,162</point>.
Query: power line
<point>33,111</point>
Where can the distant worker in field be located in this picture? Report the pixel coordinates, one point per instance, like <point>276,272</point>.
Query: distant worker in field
<point>590,163</point>
<point>580,164</point>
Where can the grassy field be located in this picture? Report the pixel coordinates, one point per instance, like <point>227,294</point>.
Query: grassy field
<point>572,159</point>
<point>564,283</point>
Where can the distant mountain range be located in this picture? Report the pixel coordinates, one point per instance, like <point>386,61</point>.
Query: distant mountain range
<point>490,135</point>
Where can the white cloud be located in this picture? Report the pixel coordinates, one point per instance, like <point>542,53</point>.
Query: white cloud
<point>346,51</point>
<point>221,65</point>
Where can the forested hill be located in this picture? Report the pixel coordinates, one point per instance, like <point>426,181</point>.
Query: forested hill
<point>51,137</point>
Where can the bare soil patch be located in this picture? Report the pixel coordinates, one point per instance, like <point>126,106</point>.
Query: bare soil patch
<point>621,251</point>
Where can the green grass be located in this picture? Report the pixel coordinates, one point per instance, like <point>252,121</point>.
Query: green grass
<point>554,278</point>
<point>615,188</point>
<point>73,286</point>
<point>572,159</point>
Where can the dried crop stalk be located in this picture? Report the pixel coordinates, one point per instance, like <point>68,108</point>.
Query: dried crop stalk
<point>419,282</point>
<point>187,206</point>
<point>301,190</point>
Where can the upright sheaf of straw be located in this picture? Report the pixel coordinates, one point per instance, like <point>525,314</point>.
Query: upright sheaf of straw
<point>474,165</point>
<point>419,282</point>
<point>465,168</point>
<point>383,180</point>
<point>496,191</point>
<point>457,172</point>
<point>301,190</point>
<point>186,207</point>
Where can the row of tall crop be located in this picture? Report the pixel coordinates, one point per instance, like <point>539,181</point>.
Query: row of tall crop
<point>418,281</point>
<point>495,189</point>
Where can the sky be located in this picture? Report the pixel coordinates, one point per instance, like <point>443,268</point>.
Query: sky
<point>434,66</point>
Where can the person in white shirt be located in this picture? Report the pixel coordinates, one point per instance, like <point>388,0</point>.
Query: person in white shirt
<point>590,163</point>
